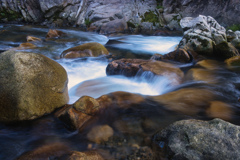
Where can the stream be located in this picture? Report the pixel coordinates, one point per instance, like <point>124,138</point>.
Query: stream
<point>87,76</point>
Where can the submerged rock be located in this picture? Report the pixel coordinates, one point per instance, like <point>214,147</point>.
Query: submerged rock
<point>31,85</point>
<point>132,67</point>
<point>205,36</point>
<point>53,33</point>
<point>33,39</point>
<point>100,133</point>
<point>26,46</point>
<point>59,151</point>
<point>86,155</point>
<point>195,139</point>
<point>93,49</point>
<point>48,151</point>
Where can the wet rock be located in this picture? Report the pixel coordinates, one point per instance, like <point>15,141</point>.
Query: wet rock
<point>100,133</point>
<point>31,85</point>
<point>26,46</point>
<point>33,39</point>
<point>130,67</point>
<point>195,139</point>
<point>93,49</point>
<point>205,36</point>
<point>179,55</point>
<point>76,115</point>
<point>53,33</point>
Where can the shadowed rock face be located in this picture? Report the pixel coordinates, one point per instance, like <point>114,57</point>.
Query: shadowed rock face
<point>224,11</point>
<point>110,16</point>
<point>31,85</point>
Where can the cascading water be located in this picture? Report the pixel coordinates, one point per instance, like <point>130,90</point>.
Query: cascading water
<point>87,76</point>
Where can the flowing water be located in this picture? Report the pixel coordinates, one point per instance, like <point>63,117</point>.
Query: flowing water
<point>87,76</point>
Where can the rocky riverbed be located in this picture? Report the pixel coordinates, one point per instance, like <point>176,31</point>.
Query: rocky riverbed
<point>131,96</point>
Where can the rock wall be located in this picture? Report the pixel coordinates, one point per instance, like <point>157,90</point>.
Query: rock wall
<point>224,11</point>
<point>98,15</point>
<point>108,16</point>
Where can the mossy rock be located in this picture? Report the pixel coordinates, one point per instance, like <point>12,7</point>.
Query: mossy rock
<point>10,15</point>
<point>92,49</point>
<point>225,50</point>
<point>150,16</point>
<point>31,85</point>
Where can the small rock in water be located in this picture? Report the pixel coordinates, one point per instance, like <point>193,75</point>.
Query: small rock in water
<point>100,133</point>
<point>53,33</point>
<point>92,49</point>
<point>34,39</point>
<point>27,46</point>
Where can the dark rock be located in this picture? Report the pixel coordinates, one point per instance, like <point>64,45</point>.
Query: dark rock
<point>76,115</point>
<point>179,55</point>
<point>130,67</point>
<point>195,139</point>
<point>31,85</point>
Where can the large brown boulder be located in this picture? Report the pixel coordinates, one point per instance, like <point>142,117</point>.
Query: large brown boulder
<point>31,85</point>
<point>92,49</point>
<point>130,67</point>
<point>195,139</point>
